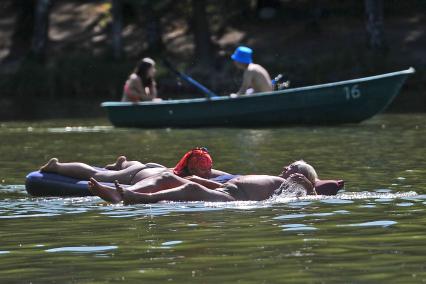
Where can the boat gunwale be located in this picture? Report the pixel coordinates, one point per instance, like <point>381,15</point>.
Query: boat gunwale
<point>408,71</point>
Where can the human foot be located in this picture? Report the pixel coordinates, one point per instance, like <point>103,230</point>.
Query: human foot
<point>131,197</point>
<point>304,182</point>
<point>118,165</point>
<point>107,193</point>
<point>50,166</point>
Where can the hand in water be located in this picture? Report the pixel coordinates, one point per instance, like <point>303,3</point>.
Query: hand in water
<point>303,181</point>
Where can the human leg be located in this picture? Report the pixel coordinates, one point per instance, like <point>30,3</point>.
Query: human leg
<point>186,192</point>
<point>123,176</point>
<point>75,170</point>
<point>121,164</point>
<point>85,172</point>
<point>107,193</point>
<point>162,181</point>
<point>118,165</point>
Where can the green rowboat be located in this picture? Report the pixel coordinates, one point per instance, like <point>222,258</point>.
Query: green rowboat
<point>349,101</point>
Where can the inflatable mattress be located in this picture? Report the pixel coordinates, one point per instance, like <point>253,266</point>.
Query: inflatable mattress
<point>50,184</point>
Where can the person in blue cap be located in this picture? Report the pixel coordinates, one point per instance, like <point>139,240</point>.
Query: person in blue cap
<point>255,79</point>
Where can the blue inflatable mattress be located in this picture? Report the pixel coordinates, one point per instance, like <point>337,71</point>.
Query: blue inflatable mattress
<point>50,184</point>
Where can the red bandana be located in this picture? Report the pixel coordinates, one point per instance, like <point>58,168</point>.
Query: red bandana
<point>196,158</point>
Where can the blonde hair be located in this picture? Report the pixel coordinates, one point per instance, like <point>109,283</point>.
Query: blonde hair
<point>307,170</point>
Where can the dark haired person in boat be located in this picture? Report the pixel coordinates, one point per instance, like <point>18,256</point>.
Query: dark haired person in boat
<point>195,165</point>
<point>141,85</point>
<point>297,179</point>
<point>255,78</point>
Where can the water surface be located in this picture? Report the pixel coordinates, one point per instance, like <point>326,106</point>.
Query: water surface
<point>371,232</point>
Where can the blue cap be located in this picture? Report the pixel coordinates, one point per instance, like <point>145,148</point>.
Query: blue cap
<point>243,55</point>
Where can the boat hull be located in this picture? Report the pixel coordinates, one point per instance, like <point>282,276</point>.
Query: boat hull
<point>349,101</point>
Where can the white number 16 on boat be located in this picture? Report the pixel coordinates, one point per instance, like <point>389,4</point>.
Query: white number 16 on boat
<point>352,92</point>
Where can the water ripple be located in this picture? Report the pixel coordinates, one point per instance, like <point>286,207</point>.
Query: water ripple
<point>297,227</point>
<point>82,249</point>
<point>80,129</point>
<point>381,223</point>
<point>48,207</point>
<point>171,243</point>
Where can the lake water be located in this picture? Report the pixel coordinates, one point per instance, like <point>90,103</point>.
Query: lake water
<point>373,232</point>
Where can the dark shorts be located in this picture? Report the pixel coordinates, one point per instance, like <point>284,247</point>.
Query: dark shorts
<point>224,178</point>
<point>234,191</point>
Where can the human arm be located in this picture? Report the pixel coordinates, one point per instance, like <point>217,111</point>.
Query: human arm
<point>150,92</point>
<point>205,182</point>
<point>153,90</point>
<point>138,92</point>
<point>300,179</point>
<point>246,84</point>
<point>216,173</point>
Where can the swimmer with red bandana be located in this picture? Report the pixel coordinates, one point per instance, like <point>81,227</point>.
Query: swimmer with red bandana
<point>195,166</point>
<point>196,162</point>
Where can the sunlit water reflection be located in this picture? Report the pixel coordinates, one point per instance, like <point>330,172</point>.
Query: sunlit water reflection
<point>371,232</point>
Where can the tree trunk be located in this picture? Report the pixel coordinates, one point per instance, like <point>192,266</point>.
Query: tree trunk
<point>117,27</point>
<point>153,28</point>
<point>41,29</point>
<point>375,28</point>
<point>202,35</point>
<point>23,29</point>
<point>315,13</point>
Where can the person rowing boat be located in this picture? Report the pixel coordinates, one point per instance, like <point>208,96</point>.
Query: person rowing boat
<point>255,78</point>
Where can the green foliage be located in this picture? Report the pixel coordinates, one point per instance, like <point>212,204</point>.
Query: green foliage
<point>157,5</point>
<point>71,76</point>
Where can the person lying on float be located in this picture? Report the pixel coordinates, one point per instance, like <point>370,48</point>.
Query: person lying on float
<point>195,165</point>
<point>298,179</point>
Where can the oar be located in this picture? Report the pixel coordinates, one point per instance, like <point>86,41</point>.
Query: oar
<point>188,79</point>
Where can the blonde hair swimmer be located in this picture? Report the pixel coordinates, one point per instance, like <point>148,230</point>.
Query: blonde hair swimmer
<point>141,84</point>
<point>303,168</point>
<point>255,78</point>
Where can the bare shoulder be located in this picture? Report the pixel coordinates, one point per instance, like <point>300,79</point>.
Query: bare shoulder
<point>134,79</point>
<point>253,67</point>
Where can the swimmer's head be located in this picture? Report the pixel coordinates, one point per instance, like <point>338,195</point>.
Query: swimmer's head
<point>195,162</point>
<point>300,167</point>
<point>146,70</point>
<point>200,166</point>
<point>242,57</point>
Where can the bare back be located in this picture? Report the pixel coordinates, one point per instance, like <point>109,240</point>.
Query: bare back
<point>257,187</point>
<point>134,90</point>
<point>257,78</point>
